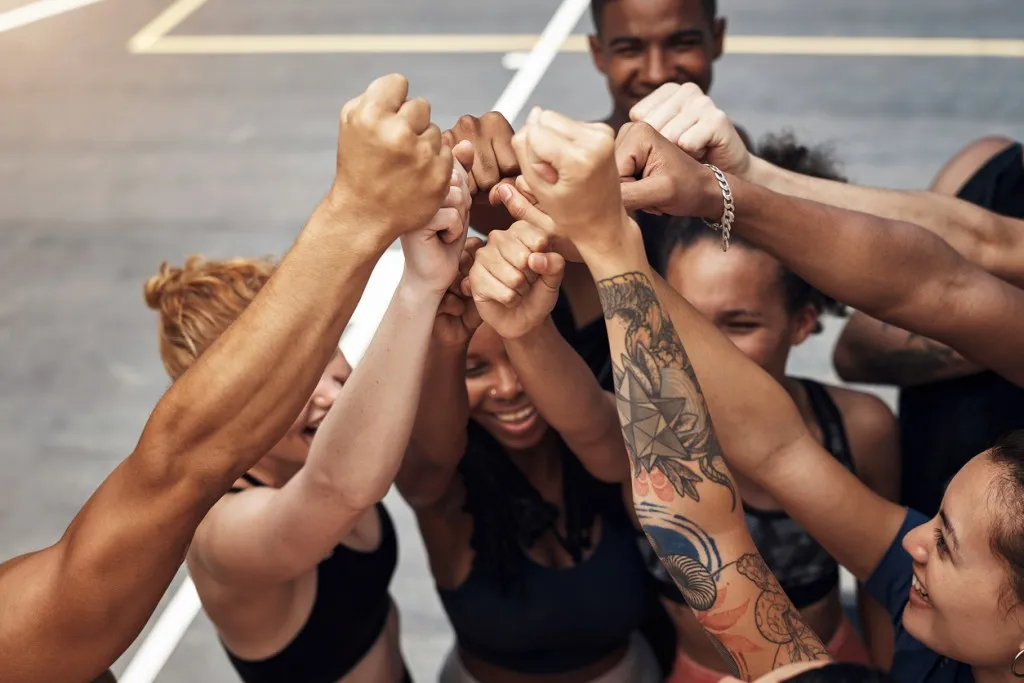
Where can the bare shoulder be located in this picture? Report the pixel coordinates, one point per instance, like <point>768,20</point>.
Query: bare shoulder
<point>863,412</point>
<point>873,433</point>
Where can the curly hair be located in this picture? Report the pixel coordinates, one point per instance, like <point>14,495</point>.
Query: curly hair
<point>200,300</point>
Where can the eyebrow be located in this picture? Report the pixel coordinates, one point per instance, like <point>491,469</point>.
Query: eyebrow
<point>683,34</point>
<point>950,530</point>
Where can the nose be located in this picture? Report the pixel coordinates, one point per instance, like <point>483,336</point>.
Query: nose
<point>656,70</point>
<point>507,387</point>
<point>916,543</point>
<point>326,393</point>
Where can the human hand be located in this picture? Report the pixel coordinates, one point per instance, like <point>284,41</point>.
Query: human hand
<point>514,280</point>
<point>457,317</point>
<point>660,178</point>
<point>569,167</point>
<point>432,252</point>
<point>688,118</point>
<point>392,170</point>
<point>491,137</point>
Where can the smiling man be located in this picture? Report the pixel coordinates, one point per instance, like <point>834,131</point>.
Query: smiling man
<point>641,45</point>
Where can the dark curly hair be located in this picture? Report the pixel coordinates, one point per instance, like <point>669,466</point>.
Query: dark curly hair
<point>782,150</point>
<point>597,11</point>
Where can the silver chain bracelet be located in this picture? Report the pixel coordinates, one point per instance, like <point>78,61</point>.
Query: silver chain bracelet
<point>729,214</point>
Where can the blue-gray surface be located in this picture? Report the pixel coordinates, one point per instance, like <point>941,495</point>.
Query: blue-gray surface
<point>111,163</point>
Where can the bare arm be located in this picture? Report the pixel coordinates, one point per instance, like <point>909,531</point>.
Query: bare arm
<point>438,439</point>
<point>873,435</point>
<point>352,462</point>
<point>89,595</point>
<point>566,393</point>
<point>891,270</point>
<point>993,242</point>
<point>875,352</point>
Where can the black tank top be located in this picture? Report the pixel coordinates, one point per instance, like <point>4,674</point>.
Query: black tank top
<point>553,620</point>
<point>945,424</point>
<point>805,571</point>
<point>349,613</point>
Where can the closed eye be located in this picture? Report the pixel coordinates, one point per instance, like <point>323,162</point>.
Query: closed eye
<point>940,543</point>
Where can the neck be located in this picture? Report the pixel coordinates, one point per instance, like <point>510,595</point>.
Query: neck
<point>538,462</point>
<point>993,674</point>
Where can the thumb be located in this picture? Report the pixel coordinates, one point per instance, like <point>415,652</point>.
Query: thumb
<point>648,194</point>
<point>550,266</point>
<point>464,154</point>
<point>519,207</point>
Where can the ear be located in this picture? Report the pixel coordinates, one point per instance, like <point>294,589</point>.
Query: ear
<point>597,52</point>
<point>803,323</point>
<point>718,31</point>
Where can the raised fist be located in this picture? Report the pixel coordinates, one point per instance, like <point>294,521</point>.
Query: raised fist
<point>392,172</point>
<point>432,252</point>
<point>569,167</point>
<point>491,137</point>
<point>689,119</point>
<point>515,279</point>
<point>457,317</point>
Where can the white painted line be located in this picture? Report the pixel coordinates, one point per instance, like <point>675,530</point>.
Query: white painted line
<point>522,85</point>
<point>163,24</point>
<point>37,11</point>
<point>167,632</point>
<point>171,626</point>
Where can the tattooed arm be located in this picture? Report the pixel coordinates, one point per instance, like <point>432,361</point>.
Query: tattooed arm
<point>875,352</point>
<point>684,495</point>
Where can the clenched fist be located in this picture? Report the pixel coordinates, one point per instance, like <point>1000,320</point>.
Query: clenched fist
<point>569,167</point>
<point>514,280</point>
<point>392,172</point>
<point>688,118</point>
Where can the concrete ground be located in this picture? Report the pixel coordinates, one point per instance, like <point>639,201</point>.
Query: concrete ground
<point>114,158</point>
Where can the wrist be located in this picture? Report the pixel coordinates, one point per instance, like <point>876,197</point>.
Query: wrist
<point>760,172</point>
<point>711,202</point>
<point>626,250</point>
<point>340,214</point>
<point>538,334</point>
<point>417,294</point>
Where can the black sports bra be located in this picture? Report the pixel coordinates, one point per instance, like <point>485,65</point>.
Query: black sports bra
<point>805,571</point>
<point>349,613</point>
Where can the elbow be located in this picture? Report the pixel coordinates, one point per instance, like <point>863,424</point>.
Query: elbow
<point>846,363</point>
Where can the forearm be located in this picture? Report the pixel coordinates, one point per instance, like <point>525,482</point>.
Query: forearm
<point>878,628</point>
<point>888,269</point>
<point>363,439</point>
<point>982,237</point>
<point>684,494</point>
<point>565,392</point>
<point>241,396</point>
<point>875,352</point>
<point>438,439</point>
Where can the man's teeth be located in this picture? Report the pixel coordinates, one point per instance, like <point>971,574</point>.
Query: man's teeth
<point>517,416</point>
<point>918,587</point>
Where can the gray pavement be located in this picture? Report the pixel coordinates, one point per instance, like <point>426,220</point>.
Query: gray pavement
<point>112,162</point>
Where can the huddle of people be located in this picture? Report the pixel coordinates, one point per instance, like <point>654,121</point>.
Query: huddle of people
<point>613,474</point>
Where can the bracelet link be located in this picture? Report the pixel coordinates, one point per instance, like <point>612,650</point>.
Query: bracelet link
<point>728,213</point>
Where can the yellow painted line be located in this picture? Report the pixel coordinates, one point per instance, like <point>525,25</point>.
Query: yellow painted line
<point>874,46</point>
<point>164,23</point>
<point>297,44</point>
<point>500,44</point>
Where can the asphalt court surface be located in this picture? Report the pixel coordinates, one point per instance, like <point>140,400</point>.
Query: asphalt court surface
<point>111,162</point>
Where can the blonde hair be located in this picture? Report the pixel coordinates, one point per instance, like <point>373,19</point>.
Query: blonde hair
<point>200,300</point>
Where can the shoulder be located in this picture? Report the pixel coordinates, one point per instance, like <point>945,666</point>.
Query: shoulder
<point>864,414</point>
<point>873,434</point>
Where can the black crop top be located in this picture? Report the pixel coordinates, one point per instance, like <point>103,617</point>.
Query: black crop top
<point>805,571</point>
<point>349,613</point>
<point>552,620</point>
